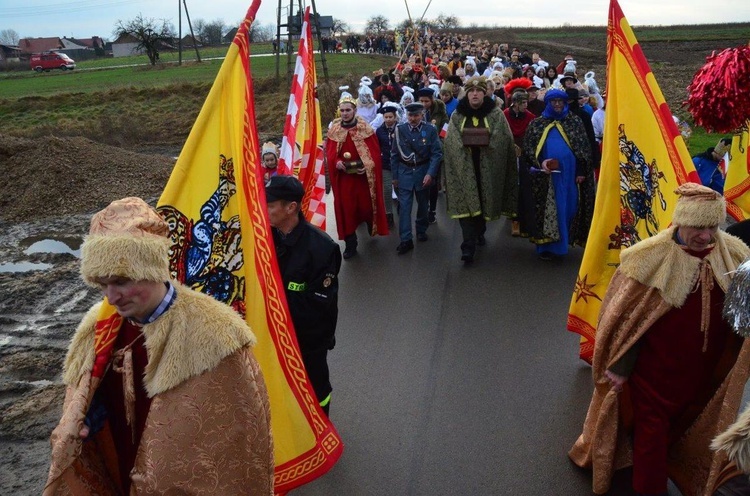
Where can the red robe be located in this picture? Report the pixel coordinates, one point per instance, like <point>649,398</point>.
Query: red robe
<point>358,198</point>
<point>673,379</point>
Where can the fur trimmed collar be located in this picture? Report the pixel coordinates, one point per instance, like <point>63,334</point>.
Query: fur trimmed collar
<point>189,339</point>
<point>660,263</point>
<point>488,105</point>
<point>338,133</point>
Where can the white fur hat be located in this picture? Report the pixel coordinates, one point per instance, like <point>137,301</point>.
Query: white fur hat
<point>698,206</point>
<point>126,239</point>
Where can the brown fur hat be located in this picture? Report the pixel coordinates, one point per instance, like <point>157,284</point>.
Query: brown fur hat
<point>699,206</point>
<point>126,239</point>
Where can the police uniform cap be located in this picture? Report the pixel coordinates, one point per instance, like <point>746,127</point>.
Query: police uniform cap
<point>284,188</point>
<point>414,108</point>
<point>428,92</point>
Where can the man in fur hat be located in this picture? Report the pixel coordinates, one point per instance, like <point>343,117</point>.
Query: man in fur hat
<point>669,373</point>
<point>480,166</point>
<point>146,367</point>
<point>354,164</point>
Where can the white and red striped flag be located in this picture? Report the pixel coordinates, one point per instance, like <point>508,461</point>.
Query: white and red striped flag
<point>302,145</point>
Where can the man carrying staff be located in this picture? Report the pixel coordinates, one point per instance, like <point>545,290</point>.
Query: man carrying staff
<point>353,157</point>
<point>669,373</point>
<point>164,394</point>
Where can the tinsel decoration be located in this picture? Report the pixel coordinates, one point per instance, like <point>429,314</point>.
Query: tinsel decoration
<point>718,96</point>
<point>737,301</point>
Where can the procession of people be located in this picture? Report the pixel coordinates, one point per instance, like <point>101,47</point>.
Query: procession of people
<point>493,131</point>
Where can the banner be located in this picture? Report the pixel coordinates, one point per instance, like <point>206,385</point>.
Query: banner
<point>737,184</point>
<point>309,135</point>
<point>644,159</point>
<point>215,205</point>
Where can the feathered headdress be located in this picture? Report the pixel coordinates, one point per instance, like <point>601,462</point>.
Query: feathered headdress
<point>517,84</point>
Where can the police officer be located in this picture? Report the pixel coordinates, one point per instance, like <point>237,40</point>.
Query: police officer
<point>415,159</point>
<point>309,262</point>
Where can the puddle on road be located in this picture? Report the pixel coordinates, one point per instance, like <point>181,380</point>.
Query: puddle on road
<point>52,244</point>
<point>4,340</point>
<point>23,266</point>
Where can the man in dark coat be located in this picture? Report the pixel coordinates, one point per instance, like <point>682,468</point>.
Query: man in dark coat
<point>309,262</point>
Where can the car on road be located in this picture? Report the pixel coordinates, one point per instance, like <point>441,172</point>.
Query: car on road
<point>51,60</point>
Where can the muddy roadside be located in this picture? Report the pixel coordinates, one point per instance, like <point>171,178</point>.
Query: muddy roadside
<point>49,190</point>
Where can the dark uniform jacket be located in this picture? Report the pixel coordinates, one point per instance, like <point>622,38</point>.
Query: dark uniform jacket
<point>385,139</point>
<point>309,262</point>
<point>415,153</point>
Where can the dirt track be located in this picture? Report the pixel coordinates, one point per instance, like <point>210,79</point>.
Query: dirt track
<point>48,193</point>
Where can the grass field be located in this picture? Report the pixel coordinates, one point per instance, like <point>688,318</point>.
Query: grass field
<point>140,103</point>
<point>133,106</point>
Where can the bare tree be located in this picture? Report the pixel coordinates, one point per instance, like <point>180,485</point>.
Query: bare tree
<point>447,22</point>
<point>199,26</point>
<point>339,27</point>
<point>150,34</point>
<point>9,37</point>
<point>262,34</point>
<point>377,24</point>
<point>213,32</point>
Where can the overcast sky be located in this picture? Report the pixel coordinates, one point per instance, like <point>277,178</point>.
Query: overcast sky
<point>85,18</point>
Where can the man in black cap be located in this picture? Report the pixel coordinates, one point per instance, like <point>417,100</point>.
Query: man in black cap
<point>415,159</point>
<point>536,106</point>
<point>309,263</point>
<point>385,134</point>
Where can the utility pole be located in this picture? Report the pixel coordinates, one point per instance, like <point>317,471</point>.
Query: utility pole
<point>190,25</point>
<point>179,31</point>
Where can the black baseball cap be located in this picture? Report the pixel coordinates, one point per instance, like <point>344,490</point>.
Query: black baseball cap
<point>284,188</point>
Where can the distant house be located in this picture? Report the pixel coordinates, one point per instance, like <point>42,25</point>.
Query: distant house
<point>229,37</point>
<point>92,43</point>
<point>126,45</point>
<point>189,41</point>
<point>326,25</point>
<point>71,44</point>
<point>9,54</point>
<point>36,45</point>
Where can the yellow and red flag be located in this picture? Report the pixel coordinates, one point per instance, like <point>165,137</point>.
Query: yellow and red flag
<point>644,159</point>
<point>737,184</point>
<point>215,205</point>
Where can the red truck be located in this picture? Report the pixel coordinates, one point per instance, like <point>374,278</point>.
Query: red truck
<point>51,60</point>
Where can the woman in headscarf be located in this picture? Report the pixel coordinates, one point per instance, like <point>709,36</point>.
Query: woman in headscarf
<point>367,108</point>
<point>557,156</point>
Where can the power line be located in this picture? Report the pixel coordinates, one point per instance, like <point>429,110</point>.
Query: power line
<point>62,8</point>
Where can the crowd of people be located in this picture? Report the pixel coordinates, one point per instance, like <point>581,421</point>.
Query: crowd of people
<point>477,96</point>
<point>502,134</point>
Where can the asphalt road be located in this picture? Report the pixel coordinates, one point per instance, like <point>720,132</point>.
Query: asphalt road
<point>453,380</point>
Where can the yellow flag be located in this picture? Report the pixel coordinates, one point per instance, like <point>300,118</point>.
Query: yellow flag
<point>737,184</point>
<point>215,205</point>
<point>644,159</point>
